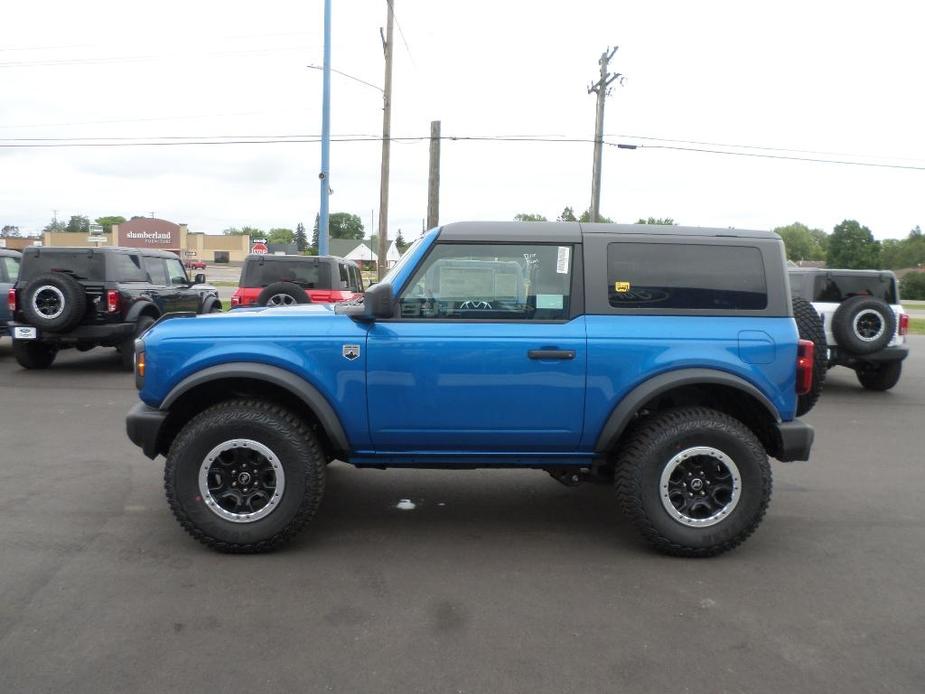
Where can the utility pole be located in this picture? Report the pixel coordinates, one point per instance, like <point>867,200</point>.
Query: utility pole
<point>602,89</point>
<point>325,174</point>
<point>433,180</point>
<point>386,142</point>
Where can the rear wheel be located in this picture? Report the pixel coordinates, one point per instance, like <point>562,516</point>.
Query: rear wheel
<point>282,294</point>
<point>54,301</point>
<point>34,355</point>
<point>695,482</point>
<point>244,476</point>
<point>881,376</point>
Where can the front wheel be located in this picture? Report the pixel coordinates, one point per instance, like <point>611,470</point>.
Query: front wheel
<point>33,355</point>
<point>695,482</point>
<point>882,376</point>
<point>244,476</point>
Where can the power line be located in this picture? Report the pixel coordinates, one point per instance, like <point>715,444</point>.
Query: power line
<point>355,79</point>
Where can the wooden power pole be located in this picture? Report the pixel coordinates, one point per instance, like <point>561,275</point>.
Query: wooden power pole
<point>433,180</point>
<point>386,144</point>
<point>602,89</point>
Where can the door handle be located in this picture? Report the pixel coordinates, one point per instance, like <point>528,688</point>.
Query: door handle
<point>551,353</point>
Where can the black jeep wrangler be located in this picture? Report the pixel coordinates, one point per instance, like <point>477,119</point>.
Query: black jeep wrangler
<point>89,297</point>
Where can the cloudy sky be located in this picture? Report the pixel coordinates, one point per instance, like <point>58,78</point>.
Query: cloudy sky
<point>843,79</point>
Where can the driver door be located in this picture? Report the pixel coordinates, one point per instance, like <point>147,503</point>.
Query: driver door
<point>488,353</point>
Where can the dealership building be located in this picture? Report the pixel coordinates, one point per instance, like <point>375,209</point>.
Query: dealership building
<point>150,232</point>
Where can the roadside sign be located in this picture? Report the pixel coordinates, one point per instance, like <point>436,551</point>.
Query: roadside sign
<point>190,254</point>
<point>96,239</point>
<point>96,229</point>
<point>259,247</point>
<point>37,243</point>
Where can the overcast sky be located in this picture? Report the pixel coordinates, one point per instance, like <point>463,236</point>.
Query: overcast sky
<point>839,77</point>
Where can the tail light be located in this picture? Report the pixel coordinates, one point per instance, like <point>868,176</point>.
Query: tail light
<point>11,300</point>
<point>112,301</point>
<point>805,353</point>
<point>903,323</point>
<point>235,300</point>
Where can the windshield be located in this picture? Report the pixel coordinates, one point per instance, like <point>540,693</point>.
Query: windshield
<point>406,256</point>
<point>308,273</point>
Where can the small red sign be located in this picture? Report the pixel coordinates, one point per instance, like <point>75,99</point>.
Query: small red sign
<point>259,247</point>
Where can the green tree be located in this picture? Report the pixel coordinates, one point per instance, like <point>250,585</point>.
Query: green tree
<point>525,217</point>
<point>822,239</point>
<point>313,249</point>
<point>78,224</point>
<point>54,225</point>
<point>231,231</point>
<point>280,235</point>
<point>665,221</point>
<point>301,240</point>
<point>800,242</point>
<point>853,246</point>
<point>567,215</point>
<point>401,244</point>
<point>912,286</point>
<point>586,217</point>
<point>107,222</point>
<point>10,230</point>
<point>343,225</point>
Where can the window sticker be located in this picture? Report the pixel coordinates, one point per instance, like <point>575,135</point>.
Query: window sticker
<point>562,260</point>
<point>621,287</point>
<point>554,301</point>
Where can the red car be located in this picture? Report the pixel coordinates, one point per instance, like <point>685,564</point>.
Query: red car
<point>284,280</point>
<point>196,265</point>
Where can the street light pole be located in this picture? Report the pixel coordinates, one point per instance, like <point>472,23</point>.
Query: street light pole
<point>325,135</point>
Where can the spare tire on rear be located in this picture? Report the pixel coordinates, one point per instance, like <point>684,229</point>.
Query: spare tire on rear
<point>863,325</point>
<point>810,327</point>
<point>283,294</point>
<point>54,302</point>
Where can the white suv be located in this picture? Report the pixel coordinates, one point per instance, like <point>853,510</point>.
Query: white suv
<point>865,325</point>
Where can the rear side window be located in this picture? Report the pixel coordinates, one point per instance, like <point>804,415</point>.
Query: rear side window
<point>10,268</point>
<point>80,265</point>
<point>685,277</point>
<point>834,288</point>
<point>157,271</point>
<point>126,268</point>
<point>310,274</point>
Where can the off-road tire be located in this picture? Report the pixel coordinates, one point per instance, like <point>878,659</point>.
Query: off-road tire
<point>650,447</point>
<point>127,348</point>
<point>880,376</point>
<point>810,327</point>
<point>299,453</point>
<point>298,294</point>
<point>31,354</point>
<point>843,324</point>
<point>74,305</point>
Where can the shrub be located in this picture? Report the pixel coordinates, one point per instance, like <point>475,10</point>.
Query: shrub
<point>912,286</point>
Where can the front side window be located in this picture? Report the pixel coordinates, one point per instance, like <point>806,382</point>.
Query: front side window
<point>685,276</point>
<point>175,272</point>
<point>491,282</point>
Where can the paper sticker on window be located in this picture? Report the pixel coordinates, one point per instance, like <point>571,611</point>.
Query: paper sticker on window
<point>621,287</point>
<point>562,260</point>
<point>549,301</point>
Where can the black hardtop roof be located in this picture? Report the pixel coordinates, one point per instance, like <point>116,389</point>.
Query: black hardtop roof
<point>9,253</point>
<point>107,250</point>
<point>572,232</point>
<point>265,257</point>
<point>838,271</point>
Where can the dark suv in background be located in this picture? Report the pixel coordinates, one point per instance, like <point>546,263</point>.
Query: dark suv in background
<point>84,298</point>
<point>284,280</point>
<point>9,271</point>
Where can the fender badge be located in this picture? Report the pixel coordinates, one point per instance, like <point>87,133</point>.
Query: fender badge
<point>351,352</point>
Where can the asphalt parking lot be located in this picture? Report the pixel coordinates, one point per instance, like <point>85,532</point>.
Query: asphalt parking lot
<point>497,581</point>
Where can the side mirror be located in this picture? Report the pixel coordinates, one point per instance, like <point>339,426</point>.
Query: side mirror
<point>378,301</point>
<point>200,278</point>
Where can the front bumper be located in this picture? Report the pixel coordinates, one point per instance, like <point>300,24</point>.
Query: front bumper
<point>101,332</point>
<point>143,426</point>
<point>793,440</point>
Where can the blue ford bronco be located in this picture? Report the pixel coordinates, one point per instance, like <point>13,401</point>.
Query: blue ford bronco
<point>663,360</point>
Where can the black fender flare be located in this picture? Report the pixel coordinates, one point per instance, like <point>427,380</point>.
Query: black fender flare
<point>209,302</point>
<point>140,307</point>
<point>626,409</point>
<point>288,380</point>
